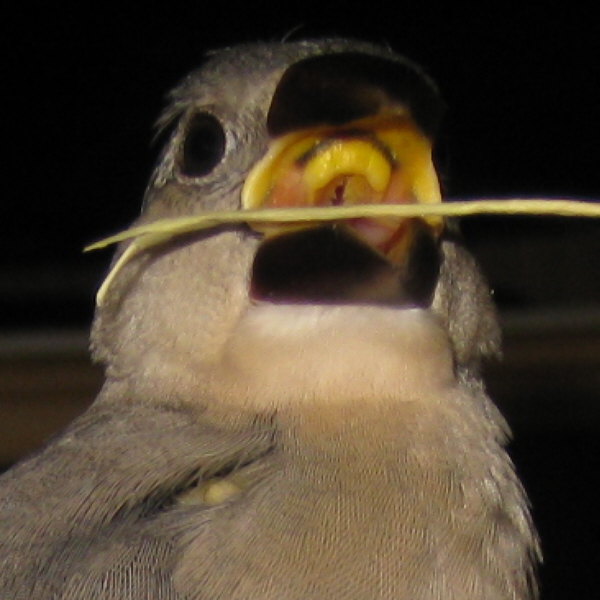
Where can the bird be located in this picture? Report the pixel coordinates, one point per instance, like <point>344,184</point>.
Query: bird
<point>289,411</point>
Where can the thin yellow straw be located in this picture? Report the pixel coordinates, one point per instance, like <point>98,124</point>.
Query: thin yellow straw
<point>206,220</point>
<point>156,233</point>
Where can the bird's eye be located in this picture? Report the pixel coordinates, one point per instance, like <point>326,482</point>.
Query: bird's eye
<point>204,145</point>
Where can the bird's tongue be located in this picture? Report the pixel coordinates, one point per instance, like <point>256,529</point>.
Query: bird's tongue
<point>376,234</point>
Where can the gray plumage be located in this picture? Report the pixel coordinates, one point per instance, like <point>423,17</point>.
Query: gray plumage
<point>363,457</point>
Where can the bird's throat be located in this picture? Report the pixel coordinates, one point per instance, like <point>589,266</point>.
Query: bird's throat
<point>282,356</point>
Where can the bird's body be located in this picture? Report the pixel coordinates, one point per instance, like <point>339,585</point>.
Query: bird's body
<point>251,447</point>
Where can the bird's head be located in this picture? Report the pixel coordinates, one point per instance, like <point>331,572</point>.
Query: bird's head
<point>333,122</point>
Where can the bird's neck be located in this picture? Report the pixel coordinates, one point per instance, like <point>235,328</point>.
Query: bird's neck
<point>319,359</point>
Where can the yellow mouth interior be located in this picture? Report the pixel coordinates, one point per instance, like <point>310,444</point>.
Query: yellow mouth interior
<point>379,160</point>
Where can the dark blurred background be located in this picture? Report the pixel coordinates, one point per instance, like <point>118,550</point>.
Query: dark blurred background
<point>84,85</point>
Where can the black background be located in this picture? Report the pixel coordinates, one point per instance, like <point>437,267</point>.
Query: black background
<point>85,83</point>
<point>84,86</point>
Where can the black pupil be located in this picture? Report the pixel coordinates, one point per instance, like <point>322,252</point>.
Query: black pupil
<point>204,145</point>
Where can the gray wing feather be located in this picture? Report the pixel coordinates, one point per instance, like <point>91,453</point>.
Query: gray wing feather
<point>88,517</point>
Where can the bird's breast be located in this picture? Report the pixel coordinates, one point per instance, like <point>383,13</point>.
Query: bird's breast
<point>357,502</point>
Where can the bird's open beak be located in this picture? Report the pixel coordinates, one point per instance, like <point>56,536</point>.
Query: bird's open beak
<point>348,130</point>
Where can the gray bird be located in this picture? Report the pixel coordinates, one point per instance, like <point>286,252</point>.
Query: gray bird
<point>290,412</point>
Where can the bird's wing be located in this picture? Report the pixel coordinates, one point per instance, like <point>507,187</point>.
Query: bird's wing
<point>89,503</point>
